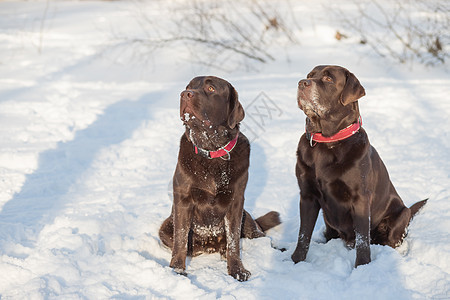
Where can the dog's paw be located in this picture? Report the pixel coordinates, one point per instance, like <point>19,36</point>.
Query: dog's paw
<point>178,266</point>
<point>298,256</point>
<point>240,274</point>
<point>180,271</point>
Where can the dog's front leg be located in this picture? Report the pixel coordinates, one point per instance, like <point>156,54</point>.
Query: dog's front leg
<point>361,224</point>
<point>182,216</point>
<point>233,222</point>
<point>309,210</point>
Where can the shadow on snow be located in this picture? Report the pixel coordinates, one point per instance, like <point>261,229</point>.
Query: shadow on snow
<point>43,194</point>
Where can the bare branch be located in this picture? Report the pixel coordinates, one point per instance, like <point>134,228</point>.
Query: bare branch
<point>404,30</point>
<point>217,29</point>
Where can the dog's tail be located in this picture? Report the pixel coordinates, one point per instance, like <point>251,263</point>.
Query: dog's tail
<point>269,220</point>
<point>416,207</point>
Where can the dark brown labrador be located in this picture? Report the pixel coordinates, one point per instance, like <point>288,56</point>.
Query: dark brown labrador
<point>210,178</point>
<point>339,172</point>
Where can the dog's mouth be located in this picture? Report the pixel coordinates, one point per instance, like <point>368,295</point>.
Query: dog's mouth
<point>187,116</point>
<point>191,118</point>
<point>186,113</point>
<point>313,111</point>
<point>308,102</point>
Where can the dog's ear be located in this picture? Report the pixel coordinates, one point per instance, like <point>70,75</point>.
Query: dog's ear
<point>353,90</point>
<point>236,110</point>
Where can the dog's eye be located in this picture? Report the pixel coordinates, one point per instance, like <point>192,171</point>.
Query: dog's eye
<point>211,89</point>
<point>327,79</point>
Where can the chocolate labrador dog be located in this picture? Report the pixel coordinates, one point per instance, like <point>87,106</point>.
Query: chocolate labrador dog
<point>339,172</point>
<point>210,178</point>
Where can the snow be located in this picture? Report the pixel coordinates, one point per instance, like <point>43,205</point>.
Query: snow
<point>89,143</point>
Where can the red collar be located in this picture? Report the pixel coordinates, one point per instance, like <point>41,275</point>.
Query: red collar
<point>341,135</point>
<point>225,150</point>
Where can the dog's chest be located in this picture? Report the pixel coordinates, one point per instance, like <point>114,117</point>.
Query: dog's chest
<point>209,176</point>
<point>330,161</point>
<point>326,165</point>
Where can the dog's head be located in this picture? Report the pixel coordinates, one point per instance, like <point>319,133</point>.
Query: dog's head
<point>327,89</point>
<point>210,102</point>
<point>329,93</point>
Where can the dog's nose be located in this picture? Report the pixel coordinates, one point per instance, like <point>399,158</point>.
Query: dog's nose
<point>187,93</point>
<point>304,83</point>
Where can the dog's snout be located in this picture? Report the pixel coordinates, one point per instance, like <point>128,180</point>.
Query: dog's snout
<point>187,94</point>
<point>304,83</point>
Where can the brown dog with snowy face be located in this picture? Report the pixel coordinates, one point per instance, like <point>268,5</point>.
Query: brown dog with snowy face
<point>339,172</point>
<point>210,178</point>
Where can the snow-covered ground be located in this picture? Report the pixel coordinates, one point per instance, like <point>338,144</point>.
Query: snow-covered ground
<point>89,142</point>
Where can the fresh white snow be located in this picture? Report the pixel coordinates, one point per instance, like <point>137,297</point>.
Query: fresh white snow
<point>89,138</point>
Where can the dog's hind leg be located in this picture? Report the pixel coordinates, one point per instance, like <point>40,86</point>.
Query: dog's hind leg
<point>250,228</point>
<point>397,227</point>
<point>166,232</point>
<point>255,228</point>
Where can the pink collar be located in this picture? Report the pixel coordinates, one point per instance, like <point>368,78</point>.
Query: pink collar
<point>225,150</point>
<point>341,135</point>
